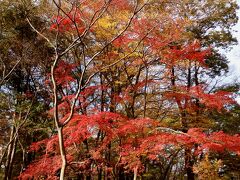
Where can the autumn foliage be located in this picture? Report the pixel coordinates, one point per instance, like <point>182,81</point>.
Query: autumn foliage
<point>131,140</point>
<point>116,88</point>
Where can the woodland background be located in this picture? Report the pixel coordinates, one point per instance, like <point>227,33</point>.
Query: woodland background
<point>118,89</point>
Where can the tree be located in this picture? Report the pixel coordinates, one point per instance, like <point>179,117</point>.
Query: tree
<point>108,75</point>
<point>23,62</point>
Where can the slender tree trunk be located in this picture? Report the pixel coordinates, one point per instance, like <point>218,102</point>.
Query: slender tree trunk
<point>10,156</point>
<point>188,155</point>
<point>9,150</point>
<point>62,152</point>
<point>189,164</point>
<point>135,173</point>
<point>188,158</point>
<point>145,93</point>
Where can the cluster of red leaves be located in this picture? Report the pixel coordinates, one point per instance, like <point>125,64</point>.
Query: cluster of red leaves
<point>121,5</point>
<point>215,100</point>
<point>63,73</point>
<point>191,52</point>
<point>45,167</point>
<point>122,41</point>
<point>71,22</point>
<point>64,105</point>
<point>159,143</point>
<point>152,35</point>
<point>78,18</point>
<point>139,137</point>
<point>162,35</point>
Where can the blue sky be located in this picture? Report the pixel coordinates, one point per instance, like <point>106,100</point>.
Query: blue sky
<point>234,54</point>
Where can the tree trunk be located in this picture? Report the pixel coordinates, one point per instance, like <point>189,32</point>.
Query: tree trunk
<point>62,152</point>
<point>10,155</point>
<point>135,174</point>
<point>189,164</point>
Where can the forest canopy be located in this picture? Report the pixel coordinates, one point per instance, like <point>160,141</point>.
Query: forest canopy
<point>117,89</point>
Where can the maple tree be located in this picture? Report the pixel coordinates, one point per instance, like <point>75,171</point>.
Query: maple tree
<point>127,97</point>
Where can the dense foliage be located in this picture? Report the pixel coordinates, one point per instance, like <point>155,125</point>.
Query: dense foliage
<point>117,89</point>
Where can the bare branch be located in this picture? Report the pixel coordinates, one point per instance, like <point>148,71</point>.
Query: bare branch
<point>9,73</point>
<point>40,34</point>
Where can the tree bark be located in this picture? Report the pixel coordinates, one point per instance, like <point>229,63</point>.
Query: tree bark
<point>10,155</point>
<point>62,152</point>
